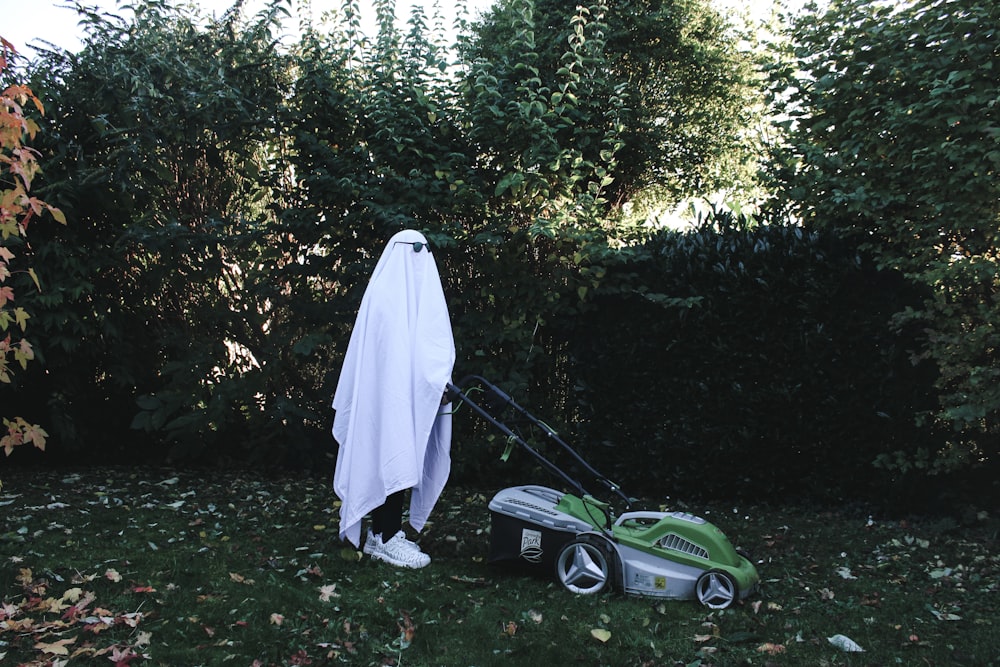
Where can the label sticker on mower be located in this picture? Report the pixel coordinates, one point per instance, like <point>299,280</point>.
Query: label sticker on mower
<point>531,545</point>
<point>649,582</point>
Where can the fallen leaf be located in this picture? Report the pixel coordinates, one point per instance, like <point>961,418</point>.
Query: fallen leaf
<point>277,619</point>
<point>112,575</point>
<point>78,608</point>
<point>406,630</point>
<point>50,605</point>
<point>601,635</point>
<point>945,616</point>
<point>7,610</point>
<point>20,625</point>
<point>873,600</point>
<point>313,571</point>
<point>845,644</point>
<point>55,648</point>
<point>131,619</point>
<point>326,593</point>
<point>123,656</point>
<point>771,649</point>
<point>72,595</point>
<point>350,554</point>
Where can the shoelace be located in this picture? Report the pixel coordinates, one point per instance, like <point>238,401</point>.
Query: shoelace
<point>407,543</point>
<point>376,541</point>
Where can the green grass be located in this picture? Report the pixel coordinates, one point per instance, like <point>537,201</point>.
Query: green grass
<point>162,568</point>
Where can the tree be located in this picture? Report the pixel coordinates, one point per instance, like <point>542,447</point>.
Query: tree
<point>162,131</point>
<point>17,209</point>
<point>686,94</point>
<point>380,137</point>
<point>895,143</point>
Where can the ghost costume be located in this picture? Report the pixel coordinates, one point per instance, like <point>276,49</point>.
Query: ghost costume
<point>393,432</point>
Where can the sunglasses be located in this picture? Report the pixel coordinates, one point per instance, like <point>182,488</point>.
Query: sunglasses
<point>417,245</point>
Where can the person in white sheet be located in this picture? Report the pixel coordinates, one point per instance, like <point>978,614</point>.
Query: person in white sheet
<point>391,423</point>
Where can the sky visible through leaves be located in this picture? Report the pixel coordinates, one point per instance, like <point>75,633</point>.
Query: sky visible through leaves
<point>26,21</point>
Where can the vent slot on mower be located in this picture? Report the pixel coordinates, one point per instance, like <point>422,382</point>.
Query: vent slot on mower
<point>675,542</point>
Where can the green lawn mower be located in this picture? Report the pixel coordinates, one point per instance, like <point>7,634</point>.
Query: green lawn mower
<point>671,555</point>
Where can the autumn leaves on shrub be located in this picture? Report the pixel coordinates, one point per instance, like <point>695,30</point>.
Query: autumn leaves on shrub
<point>17,209</point>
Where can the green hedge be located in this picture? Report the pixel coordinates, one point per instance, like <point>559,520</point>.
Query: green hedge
<point>750,361</point>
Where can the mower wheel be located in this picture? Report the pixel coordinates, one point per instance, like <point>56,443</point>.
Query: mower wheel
<point>716,589</point>
<point>587,565</point>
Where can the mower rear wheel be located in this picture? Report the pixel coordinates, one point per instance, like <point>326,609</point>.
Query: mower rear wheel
<point>587,565</point>
<point>716,589</point>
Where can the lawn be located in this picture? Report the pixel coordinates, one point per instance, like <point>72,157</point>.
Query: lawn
<point>156,567</point>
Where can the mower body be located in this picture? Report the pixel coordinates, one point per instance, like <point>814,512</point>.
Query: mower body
<point>673,555</point>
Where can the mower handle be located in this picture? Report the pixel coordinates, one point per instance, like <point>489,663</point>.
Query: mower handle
<point>454,392</point>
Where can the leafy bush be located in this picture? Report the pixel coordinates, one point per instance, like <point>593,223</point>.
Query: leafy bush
<point>230,200</point>
<point>895,144</point>
<point>748,359</point>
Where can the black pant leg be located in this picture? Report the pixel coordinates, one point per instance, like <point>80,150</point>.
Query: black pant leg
<point>387,519</point>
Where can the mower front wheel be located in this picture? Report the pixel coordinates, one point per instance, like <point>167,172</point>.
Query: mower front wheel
<point>587,565</point>
<point>716,589</point>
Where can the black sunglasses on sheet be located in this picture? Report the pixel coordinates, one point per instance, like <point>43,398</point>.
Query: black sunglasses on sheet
<point>417,245</point>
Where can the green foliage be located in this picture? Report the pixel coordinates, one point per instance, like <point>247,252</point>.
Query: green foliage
<point>230,198</point>
<point>395,137</point>
<point>895,143</point>
<point>682,94</point>
<point>552,141</point>
<point>238,196</point>
<point>737,358</point>
<point>160,134</point>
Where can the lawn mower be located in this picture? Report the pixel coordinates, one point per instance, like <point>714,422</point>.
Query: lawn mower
<point>672,555</point>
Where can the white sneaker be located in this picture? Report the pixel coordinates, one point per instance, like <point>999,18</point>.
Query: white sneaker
<point>375,542</point>
<point>397,551</point>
